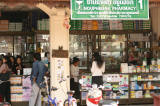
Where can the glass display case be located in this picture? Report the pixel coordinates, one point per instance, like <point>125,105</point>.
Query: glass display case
<point>19,43</point>
<point>42,43</point>
<point>113,51</point>
<point>139,46</point>
<point>78,48</point>
<point>6,44</point>
<point>111,47</point>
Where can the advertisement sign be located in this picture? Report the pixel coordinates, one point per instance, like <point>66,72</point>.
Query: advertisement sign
<point>109,9</point>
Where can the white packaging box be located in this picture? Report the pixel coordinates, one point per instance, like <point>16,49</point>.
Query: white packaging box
<point>124,67</point>
<point>27,71</point>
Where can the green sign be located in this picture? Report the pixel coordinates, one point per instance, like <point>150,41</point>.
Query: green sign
<point>109,9</point>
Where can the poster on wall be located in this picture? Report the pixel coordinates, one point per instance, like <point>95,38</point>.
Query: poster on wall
<point>60,68</point>
<point>109,9</point>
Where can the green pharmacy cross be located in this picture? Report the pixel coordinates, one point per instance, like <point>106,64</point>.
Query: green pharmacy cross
<point>79,2</point>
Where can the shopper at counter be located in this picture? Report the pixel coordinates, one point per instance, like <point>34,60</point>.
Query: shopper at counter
<point>75,76</point>
<point>97,69</point>
<point>38,71</point>
<point>4,76</point>
<point>19,66</point>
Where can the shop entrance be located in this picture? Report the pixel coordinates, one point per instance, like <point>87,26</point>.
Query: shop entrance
<point>35,37</point>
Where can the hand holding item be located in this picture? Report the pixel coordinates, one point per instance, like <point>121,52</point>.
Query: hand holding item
<point>19,67</point>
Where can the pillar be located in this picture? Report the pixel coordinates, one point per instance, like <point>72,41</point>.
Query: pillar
<point>59,36</point>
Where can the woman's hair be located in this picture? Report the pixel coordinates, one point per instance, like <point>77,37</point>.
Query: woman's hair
<point>8,61</point>
<point>12,57</point>
<point>98,59</point>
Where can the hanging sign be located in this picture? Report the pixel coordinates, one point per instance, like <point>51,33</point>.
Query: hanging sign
<point>109,9</point>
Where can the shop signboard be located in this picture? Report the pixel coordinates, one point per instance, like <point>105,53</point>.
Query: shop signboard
<point>109,9</point>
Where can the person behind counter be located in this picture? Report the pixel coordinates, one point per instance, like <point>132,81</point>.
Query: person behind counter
<point>132,58</point>
<point>4,76</point>
<point>12,64</point>
<point>97,69</point>
<point>75,77</point>
<point>19,66</point>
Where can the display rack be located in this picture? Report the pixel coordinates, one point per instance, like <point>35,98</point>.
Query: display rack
<point>20,88</point>
<point>119,87</point>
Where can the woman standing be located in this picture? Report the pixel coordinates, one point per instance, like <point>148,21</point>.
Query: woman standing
<point>4,76</point>
<point>97,69</point>
<point>19,66</point>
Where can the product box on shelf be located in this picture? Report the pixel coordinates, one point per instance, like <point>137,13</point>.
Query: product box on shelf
<point>116,25</point>
<point>154,68</point>
<point>27,71</point>
<point>16,89</point>
<point>16,97</point>
<point>15,80</point>
<point>87,81</point>
<point>125,68</point>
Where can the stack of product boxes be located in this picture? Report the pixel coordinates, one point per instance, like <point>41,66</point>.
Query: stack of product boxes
<point>43,25</point>
<point>106,25</point>
<point>100,25</point>
<point>128,25</point>
<point>147,24</point>
<point>13,26</point>
<point>109,25</point>
<point>138,37</point>
<point>138,24</point>
<point>94,25</point>
<point>89,25</point>
<point>21,86</point>
<point>84,25</point>
<point>4,25</point>
<point>16,89</point>
<point>116,25</point>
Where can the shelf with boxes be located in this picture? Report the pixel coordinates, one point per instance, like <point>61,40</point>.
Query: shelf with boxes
<point>110,25</point>
<point>20,88</point>
<point>116,86</point>
<point>125,87</point>
<point>142,85</point>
